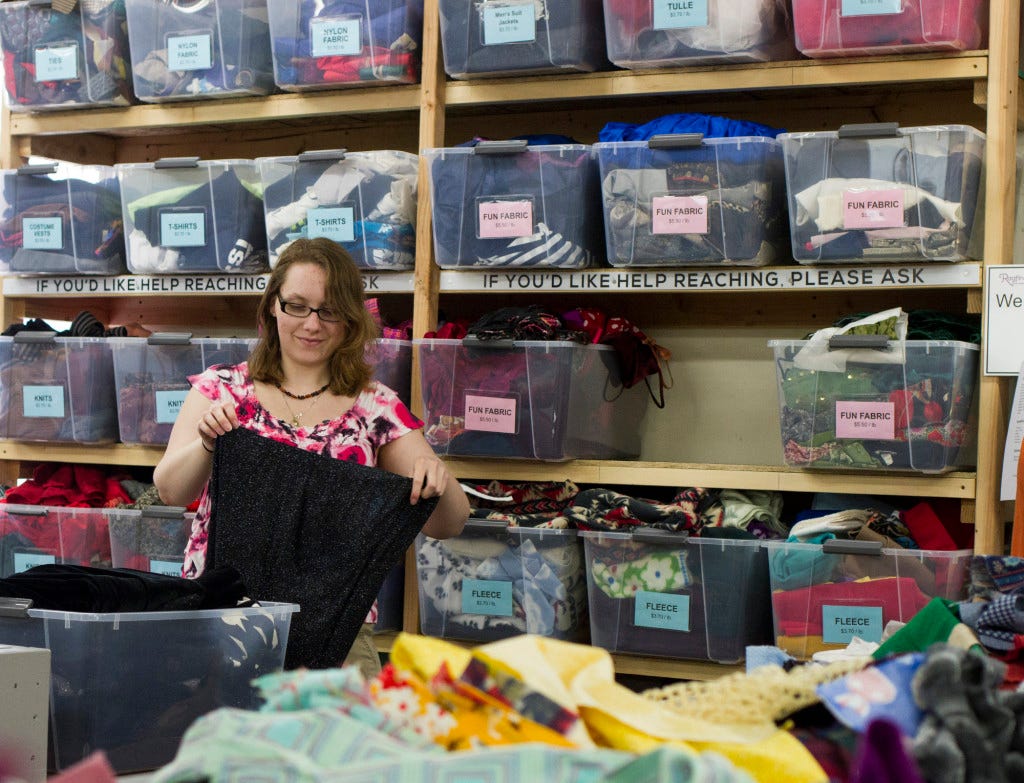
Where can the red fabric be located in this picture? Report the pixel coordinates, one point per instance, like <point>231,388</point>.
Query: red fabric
<point>57,484</point>
<point>451,330</point>
<point>927,529</point>
<point>92,769</point>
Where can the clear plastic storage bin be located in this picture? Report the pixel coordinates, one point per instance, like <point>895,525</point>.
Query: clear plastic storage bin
<point>825,594</point>
<point>681,199</point>
<point>45,535</point>
<point>131,683</point>
<point>507,204</point>
<point>151,539</point>
<point>508,37</point>
<point>211,49</point>
<point>345,43</point>
<point>853,28</point>
<point>902,407</point>
<point>879,192</point>
<point>62,219</point>
<point>186,215</point>
<point>54,60</point>
<point>532,399</point>
<point>494,581</point>
<point>151,375</point>
<point>57,389</point>
<point>392,366</point>
<point>364,201</point>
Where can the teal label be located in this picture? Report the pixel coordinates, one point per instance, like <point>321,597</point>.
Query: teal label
<point>335,37</point>
<point>676,14</point>
<point>334,223</point>
<point>42,233</point>
<point>168,405</point>
<point>56,63</point>
<point>182,229</point>
<point>484,596</point>
<point>189,52</point>
<point>168,567</point>
<point>870,7</point>
<point>508,23</point>
<point>841,623</point>
<point>43,402</point>
<point>26,560</point>
<point>661,610</point>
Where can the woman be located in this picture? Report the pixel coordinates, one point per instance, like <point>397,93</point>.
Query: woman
<point>307,384</point>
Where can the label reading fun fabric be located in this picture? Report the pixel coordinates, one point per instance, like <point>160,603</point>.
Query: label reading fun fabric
<point>42,233</point>
<point>873,208</point>
<point>870,7</point>
<point>675,14</point>
<point>679,215</point>
<point>513,23</point>
<point>43,402</point>
<point>485,596</point>
<point>168,567</point>
<point>168,405</point>
<point>873,420</point>
<point>661,610</point>
<point>841,623</point>
<point>504,219</point>
<point>334,223</point>
<point>490,414</point>
<point>56,63</point>
<point>182,229</point>
<point>335,37</point>
<point>26,560</point>
<point>189,52</point>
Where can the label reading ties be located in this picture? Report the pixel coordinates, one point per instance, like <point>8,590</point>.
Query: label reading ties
<point>661,610</point>
<point>486,596</point>
<point>870,7</point>
<point>873,208</point>
<point>190,52</point>
<point>42,233</point>
<point>508,23</point>
<point>26,560</point>
<point>841,623</point>
<point>334,223</point>
<point>874,420</point>
<point>56,63</point>
<point>676,14</point>
<point>168,405</point>
<point>335,36</point>
<point>503,219</point>
<point>182,229</point>
<point>679,215</point>
<point>490,414</point>
<point>43,402</point>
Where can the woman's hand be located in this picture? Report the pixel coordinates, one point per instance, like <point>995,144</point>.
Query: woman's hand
<point>218,420</point>
<point>429,478</point>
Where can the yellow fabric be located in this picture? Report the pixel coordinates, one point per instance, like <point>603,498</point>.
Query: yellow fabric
<point>423,655</point>
<point>803,647</point>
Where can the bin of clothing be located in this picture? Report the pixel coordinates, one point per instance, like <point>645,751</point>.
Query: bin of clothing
<point>62,219</point>
<point>529,399</point>
<point>664,33</point>
<point>151,375</point>
<point>150,539</point>
<point>510,37</point>
<point>319,45</point>
<point>210,49</point>
<point>854,28</point>
<point>510,204</point>
<point>364,201</point>
<point>680,199</point>
<point>654,592</point>
<point>878,192</point>
<point>131,683</point>
<point>494,581</point>
<point>72,60</point>
<point>894,405</point>
<point>825,594</point>
<point>40,535</point>
<point>185,215</point>
<point>392,365</point>
<point>57,389</point>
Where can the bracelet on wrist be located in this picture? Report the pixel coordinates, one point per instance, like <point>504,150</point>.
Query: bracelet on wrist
<point>205,446</point>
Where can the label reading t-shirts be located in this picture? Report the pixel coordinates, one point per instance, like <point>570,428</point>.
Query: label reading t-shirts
<point>870,7</point>
<point>508,23</point>
<point>335,36</point>
<point>42,233</point>
<point>504,219</point>
<point>871,420</point>
<point>43,402</point>
<point>190,52</point>
<point>168,567</point>
<point>873,208</point>
<point>841,623</point>
<point>334,223</point>
<point>168,405</point>
<point>26,560</point>
<point>679,215</point>
<point>661,610</point>
<point>56,63</point>
<point>676,14</point>
<point>491,414</point>
<point>485,596</point>
<point>182,229</point>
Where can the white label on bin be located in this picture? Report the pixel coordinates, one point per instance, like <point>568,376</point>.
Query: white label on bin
<point>56,63</point>
<point>841,623</point>
<point>334,223</point>
<point>168,567</point>
<point>502,219</point>
<point>26,560</point>
<point>189,52</point>
<point>42,233</point>
<point>486,596</point>
<point>43,402</point>
<point>182,229</point>
<point>335,36</point>
<point>679,215</point>
<point>675,14</point>
<point>509,23</point>
<point>870,7</point>
<point>872,420</point>
<point>491,414</point>
<point>873,208</point>
<point>168,405</point>
<point>661,610</point>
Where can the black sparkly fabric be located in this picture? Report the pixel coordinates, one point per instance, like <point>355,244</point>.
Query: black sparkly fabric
<point>308,529</point>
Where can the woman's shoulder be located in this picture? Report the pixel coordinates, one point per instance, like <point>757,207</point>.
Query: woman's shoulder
<point>231,377</point>
<point>382,402</point>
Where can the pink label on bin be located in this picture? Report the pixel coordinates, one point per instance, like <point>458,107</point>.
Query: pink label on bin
<point>873,208</point>
<point>491,414</point>
<point>874,420</point>
<point>498,219</point>
<point>679,215</point>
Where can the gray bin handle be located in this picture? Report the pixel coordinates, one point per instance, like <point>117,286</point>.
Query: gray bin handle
<point>877,342</point>
<point>315,155</point>
<point>38,168</point>
<point>509,147</point>
<point>485,525</point>
<point>15,607</point>
<point>191,162</point>
<point>164,512</point>
<point>671,141</point>
<point>840,546</point>
<point>35,338</point>
<point>169,338</point>
<point>472,341</point>
<point>869,130</point>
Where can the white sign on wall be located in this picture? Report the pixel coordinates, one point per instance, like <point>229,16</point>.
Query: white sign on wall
<point>1004,319</point>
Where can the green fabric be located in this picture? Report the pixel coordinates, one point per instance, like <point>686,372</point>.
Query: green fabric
<point>159,198</point>
<point>659,572</point>
<point>934,623</point>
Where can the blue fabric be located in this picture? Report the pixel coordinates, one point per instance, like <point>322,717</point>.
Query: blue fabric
<point>797,567</point>
<point>711,126</point>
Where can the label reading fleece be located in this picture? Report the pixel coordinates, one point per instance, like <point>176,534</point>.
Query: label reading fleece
<point>168,405</point>
<point>182,229</point>
<point>872,420</point>
<point>679,215</point>
<point>56,63</point>
<point>168,567</point>
<point>43,402</point>
<point>662,610</point>
<point>873,208</point>
<point>335,37</point>
<point>189,52</point>
<point>498,219</point>
<point>503,24</point>
<point>675,14</point>
<point>42,233</point>
<point>334,223</point>
<point>485,596</point>
<point>26,560</point>
<point>870,7</point>
<point>841,623</point>
<point>491,414</point>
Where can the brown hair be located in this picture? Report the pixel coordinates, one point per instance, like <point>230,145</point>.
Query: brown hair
<point>348,368</point>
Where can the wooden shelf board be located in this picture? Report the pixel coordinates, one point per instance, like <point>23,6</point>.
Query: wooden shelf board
<point>110,454</point>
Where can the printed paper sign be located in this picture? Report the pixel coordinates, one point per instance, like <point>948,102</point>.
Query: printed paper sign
<point>503,24</point>
<point>43,402</point>
<point>491,414</point>
<point>189,52</point>
<point>679,215</point>
<point>498,219</point>
<point>675,14</point>
<point>662,610</point>
<point>168,567</point>
<point>42,233</point>
<point>182,229</point>
<point>872,420</point>
<point>870,7</point>
<point>334,223</point>
<point>485,596</point>
<point>335,36</point>
<point>873,208</point>
<point>56,63</point>
<point>168,405</point>
<point>841,623</point>
<point>26,560</point>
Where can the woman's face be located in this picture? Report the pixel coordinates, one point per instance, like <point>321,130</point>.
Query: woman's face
<point>305,340</point>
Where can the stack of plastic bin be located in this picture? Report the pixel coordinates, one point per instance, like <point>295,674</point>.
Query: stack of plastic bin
<point>151,539</point>
<point>48,535</point>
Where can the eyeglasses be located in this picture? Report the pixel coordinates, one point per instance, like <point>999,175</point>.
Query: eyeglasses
<point>296,310</point>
